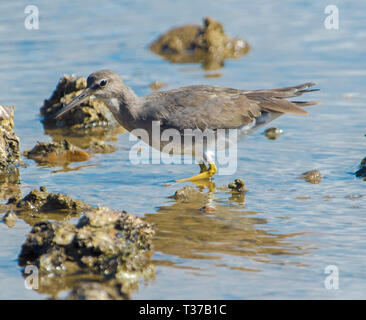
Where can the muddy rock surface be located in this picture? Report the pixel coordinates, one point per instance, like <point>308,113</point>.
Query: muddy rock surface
<point>91,113</point>
<point>109,246</point>
<point>56,153</point>
<point>207,44</point>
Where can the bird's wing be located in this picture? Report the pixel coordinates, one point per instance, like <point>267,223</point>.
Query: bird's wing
<point>213,107</point>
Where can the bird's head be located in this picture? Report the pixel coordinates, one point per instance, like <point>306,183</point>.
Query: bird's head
<point>102,84</point>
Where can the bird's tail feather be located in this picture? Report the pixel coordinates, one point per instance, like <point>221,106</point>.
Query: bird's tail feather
<point>275,99</point>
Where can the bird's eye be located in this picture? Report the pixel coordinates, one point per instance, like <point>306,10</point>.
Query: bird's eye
<point>103,83</point>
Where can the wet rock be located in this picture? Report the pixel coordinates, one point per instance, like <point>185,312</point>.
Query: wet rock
<point>361,172</point>
<point>9,142</point>
<point>157,85</point>
<point>10,219</point>
<point>312,176</point>
<point>41,200</point>
<point>207,44</point>
<point>91,113</point>
<point>9,154</point>
<point>188,193</point>
<point>273,133</point>
<point>56,153</point>
<point>238,185</point>
<point>104,243</point>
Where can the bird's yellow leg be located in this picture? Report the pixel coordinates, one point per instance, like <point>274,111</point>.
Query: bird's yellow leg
<point>212,169</point>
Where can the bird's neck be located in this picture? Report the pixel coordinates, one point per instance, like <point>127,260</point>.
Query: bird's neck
<point>125,108</point>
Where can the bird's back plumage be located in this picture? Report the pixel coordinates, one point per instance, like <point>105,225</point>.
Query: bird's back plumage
<point>211,107</point>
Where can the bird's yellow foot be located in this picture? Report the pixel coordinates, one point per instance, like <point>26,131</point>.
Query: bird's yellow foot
<point>208,173</point>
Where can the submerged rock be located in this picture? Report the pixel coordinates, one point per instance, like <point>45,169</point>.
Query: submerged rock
<point>55,153</point>
<point>273,133</point>
<point>207,44</point>
<point>312,176</point>
<point>90,113</point>
<point>104,243</point>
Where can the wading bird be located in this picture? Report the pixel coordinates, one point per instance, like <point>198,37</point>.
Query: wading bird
<point>194,107</point>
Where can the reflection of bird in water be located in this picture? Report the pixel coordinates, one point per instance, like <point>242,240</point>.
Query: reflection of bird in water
<point>189,231</point>
<point>195,107</point>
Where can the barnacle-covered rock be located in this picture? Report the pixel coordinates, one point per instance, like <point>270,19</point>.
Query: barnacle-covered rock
<point>91,113</point>
<point>9,154</point>
<point>9,142</point>
<point>188,193</point>
<point>39,201</point>
<point>104,245</point>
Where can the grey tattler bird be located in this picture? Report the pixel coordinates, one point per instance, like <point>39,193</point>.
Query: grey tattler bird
<point>193,107</point>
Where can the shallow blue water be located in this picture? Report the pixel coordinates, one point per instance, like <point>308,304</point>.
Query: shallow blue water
<point>275,245</point>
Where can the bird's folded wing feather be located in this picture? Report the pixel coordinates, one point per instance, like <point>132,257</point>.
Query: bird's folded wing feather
<point>212,107</point>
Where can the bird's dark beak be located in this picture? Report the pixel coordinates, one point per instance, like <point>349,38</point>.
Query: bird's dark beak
<point>74,103</point>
